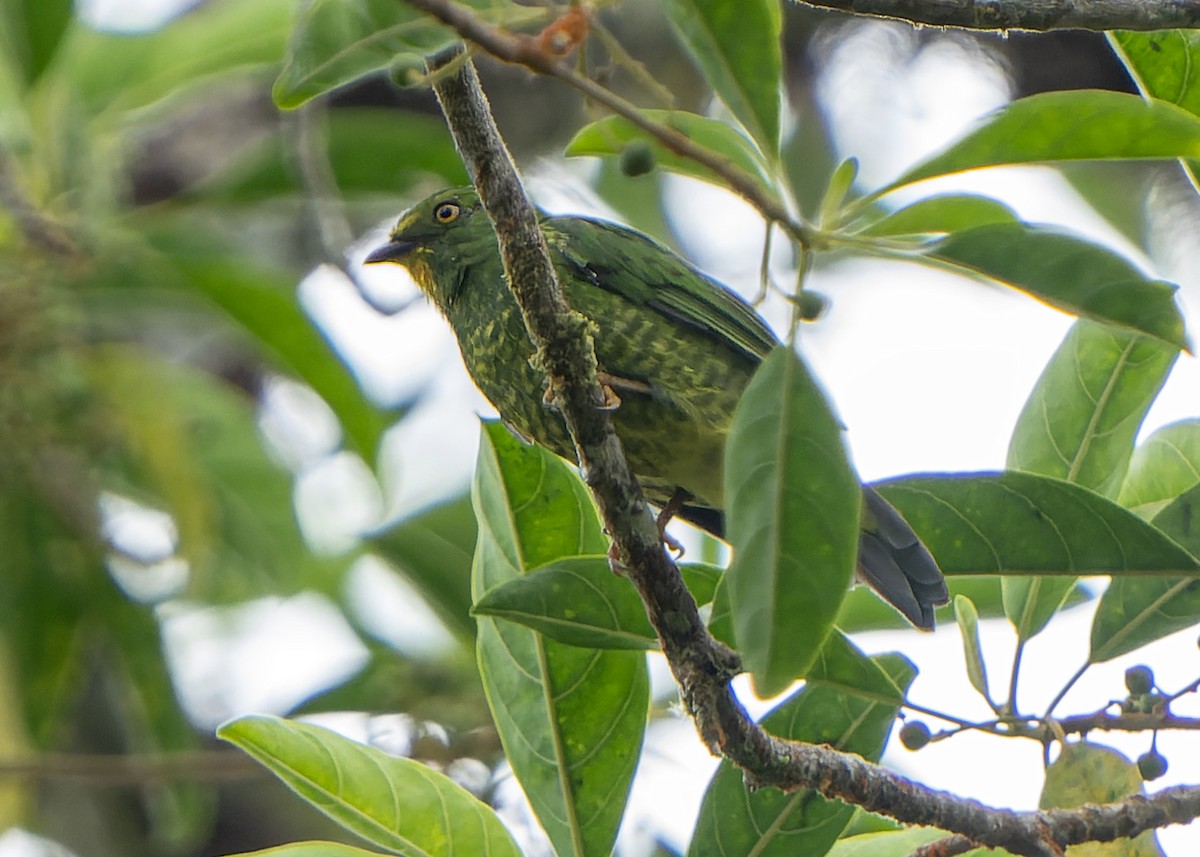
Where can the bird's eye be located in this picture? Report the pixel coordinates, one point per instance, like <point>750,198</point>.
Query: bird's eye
<point>447,212</point>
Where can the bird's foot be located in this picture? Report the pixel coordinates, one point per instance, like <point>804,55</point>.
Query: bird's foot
<point>669,511</point>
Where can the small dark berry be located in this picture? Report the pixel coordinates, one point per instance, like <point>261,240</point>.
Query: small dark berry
<point>1151,765</point>
<point>1139,680</point>
<point>813,305</point>
<point>914,735</point>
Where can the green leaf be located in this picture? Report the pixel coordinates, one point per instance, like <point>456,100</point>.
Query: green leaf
<point>850,703</point>
<point>571,720</point>
<point>35,31</point>
<point>1134,611</point>
<point>1069,273</point>
<point>1020,523</point>
<point>1079,425</point>
<point>1080,422</point>
<point>840,184</point>
<point>194,447</point>
<point>120,72</point>
<point>370,151</point>
<point>614,134</point>
<point>153,721</point>
<point>967,618</point>
<point>312,849</point>
<point>1163,63</point>
<point>389,801</point>
<point>433,550</point>
<point>1164,466</point>
<point>1087,773</point>
<point>259,300</point>
<point>792,519</point>
<point>336,42</point>
<point>891,843</point>
<point>580,601</point>
<point>262,301</point>
<point>863,610</point>
<point>1079,125</point>
<point>944,213</point>
<point>737,47</point>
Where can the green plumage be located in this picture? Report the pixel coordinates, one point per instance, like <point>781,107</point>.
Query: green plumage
<point>675,346</point>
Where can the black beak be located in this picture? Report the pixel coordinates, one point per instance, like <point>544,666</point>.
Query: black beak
<point>393,251</point>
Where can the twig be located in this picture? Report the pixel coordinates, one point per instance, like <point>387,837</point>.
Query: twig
<point>325,213</point>
<point>521,50</point>
<point>39,229</point>
<point>701,665</point>
<point>1037,15</point>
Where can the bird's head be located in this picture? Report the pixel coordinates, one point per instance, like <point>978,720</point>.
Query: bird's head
<point>437,238</point>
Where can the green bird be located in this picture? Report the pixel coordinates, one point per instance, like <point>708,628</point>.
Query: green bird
<point>675,348</point>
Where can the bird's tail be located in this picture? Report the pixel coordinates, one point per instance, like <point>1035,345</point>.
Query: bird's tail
<point>894,562</point>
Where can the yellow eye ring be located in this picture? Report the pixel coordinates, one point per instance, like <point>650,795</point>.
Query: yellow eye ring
<point>447,212</point>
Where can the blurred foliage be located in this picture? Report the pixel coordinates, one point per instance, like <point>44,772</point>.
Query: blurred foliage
<point>157,211</point>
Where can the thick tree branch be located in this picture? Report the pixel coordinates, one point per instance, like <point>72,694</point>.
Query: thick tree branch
<point>701,665</point>
<point>1029,14</point>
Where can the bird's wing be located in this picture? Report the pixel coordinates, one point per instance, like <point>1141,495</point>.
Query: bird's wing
<point>644,272</point>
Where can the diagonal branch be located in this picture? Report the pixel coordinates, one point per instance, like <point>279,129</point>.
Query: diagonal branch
<point>701,665</point>
<point>520,49</point>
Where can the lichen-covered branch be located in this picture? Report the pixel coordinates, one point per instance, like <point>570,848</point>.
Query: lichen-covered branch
<point>701,665</point>
<point>1039,15</point>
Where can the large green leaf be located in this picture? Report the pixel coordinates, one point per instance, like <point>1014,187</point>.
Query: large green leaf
<point>262,301</point>
<point>49,577</point>
<point>1134,611</point>
<point>571,720</point>
<point>1020,523</point>
<point>370,151</point>
<point>118,72</point>
<point>737,47</point>
<point>1079,125</point>
<point>312,849</point>
<point>1164,466</point>
<point>195,448</point>
<point>849,703</point>
<point>580,601</point>
<point>1080,421</point>
<point>792,519</point>
<point>336,42</point>
<point>33,30</point>
<point>943,213</point>
<point>891,843</point>
<point>1164,63</point>
<point>1069,273</point>
<point>395,803</point>
<point>1079,425</point>
<point>863,610</point>
<point>613,135</point>
<point>1087,773</point>
<point>433,549</point>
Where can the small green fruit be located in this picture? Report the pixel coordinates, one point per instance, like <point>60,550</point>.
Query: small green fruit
<point>1151,765</point>
<point>914,735</point>
<point>637,159</point>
